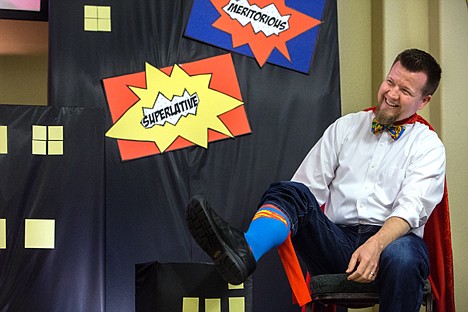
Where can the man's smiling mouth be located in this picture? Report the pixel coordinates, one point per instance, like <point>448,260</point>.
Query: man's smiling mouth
<point>390,104</point>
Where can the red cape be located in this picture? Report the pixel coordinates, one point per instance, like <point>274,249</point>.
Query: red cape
<point>437,235</point>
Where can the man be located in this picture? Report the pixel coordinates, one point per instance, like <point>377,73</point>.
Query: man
<point>377,174</point>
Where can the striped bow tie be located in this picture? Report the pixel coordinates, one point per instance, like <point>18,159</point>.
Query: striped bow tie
<point>395,131</point>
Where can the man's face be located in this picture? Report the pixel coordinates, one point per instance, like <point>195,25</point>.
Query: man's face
<point>400,95</point>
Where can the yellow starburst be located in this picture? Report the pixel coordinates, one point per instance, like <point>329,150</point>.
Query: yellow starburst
<point>193,128</point>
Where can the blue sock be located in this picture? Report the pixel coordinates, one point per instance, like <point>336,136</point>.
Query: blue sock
<point>269,228</point>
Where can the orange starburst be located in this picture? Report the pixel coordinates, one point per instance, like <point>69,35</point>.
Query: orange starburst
<point>261,44</point>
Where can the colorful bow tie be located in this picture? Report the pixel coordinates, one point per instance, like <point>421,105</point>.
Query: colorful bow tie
<point>395,131</point>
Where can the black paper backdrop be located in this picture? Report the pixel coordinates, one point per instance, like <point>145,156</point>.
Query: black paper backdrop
<point>146,198</point>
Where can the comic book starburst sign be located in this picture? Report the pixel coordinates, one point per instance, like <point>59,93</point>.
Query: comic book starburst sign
<point>165,109</point>
<point>271,31</point>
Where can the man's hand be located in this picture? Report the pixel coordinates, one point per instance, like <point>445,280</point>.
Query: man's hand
<point>364,263</point>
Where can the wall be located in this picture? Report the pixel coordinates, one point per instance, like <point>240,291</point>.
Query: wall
<point>453,37</point>
<point>23,62</point>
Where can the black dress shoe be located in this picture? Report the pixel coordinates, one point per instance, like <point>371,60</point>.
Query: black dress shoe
<point>225,245</point>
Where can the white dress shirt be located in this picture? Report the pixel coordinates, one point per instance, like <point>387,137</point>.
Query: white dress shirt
<point>363,178</point>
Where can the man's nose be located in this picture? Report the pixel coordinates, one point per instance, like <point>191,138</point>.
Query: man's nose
<point>394,92</point>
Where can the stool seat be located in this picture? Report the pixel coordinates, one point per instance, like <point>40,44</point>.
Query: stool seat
<point>337,289</point>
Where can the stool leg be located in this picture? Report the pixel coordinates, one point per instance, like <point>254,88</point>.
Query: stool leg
<point>319,307</point>
<point>429,302</point>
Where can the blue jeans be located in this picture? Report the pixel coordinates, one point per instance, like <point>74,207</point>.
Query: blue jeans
<point>326,247</point>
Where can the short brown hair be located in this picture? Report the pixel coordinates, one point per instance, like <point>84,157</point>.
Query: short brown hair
<point>415,61</point>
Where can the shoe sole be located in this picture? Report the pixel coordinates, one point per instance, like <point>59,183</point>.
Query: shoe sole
<point>205,233</point>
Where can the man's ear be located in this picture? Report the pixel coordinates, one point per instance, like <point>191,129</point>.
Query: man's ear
<point>425,101</point>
